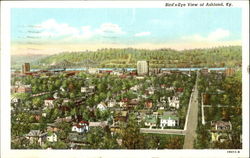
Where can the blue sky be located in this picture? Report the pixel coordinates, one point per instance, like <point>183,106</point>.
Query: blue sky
<point>124,27</point>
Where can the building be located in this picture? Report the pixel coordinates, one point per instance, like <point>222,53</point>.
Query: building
<point>21,89</point>
<point>49,103</point>
<point>98,124</point>
<point>148,104</point>
<point>220,131</point>
<point>229,71</point>
<point>52,137</point>
<point>101,106</point>
<point>151,121</point>
<point>82,126</point>
<point>36,136</point>
<point>93,70</point>
<point>169,120</point>
<point>142,67</point>
<point>174,102</point>
<point>221,126</point>
<point>84,89</point>
<point>25,68</point>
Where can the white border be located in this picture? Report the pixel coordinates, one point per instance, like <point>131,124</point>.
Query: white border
<point>5,85</point>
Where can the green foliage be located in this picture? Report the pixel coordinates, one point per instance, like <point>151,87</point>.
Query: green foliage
<point>214,57</point>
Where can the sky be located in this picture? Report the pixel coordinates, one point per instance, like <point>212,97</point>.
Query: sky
<point>54,30</point>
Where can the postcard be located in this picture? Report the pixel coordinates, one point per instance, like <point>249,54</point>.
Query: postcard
<point>125,79</point>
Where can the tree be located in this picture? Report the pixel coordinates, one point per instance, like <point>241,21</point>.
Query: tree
<point>130,134</point>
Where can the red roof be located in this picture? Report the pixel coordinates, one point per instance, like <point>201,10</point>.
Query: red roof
<point>50,99</point>
<point>125,99</point>
<point>84,122</point>
<point>179,89</point>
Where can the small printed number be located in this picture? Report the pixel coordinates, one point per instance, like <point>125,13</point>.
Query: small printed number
<point>233,152</point>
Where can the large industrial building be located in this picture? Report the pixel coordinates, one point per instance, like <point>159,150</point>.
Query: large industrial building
<point>25,68</point>
<point>142,67</point>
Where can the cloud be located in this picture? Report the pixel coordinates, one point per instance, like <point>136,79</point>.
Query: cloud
<point>217,35</point>
<point>53,29</point>
<point>109,28</point>
<point>142,34</point>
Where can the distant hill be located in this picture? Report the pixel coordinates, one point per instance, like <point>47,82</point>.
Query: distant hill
<point>213,57</point>
<point>18,60</point>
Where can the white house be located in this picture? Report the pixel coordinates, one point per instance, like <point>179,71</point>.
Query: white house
<point>52,137</point>
<point>111,103</point>
<point>80,127</point>
<point>163,99</point>
<point>62,89</point>
<point>170,88</point>
<point>169,121</point>
<point>55,95</point>
<point>84,89</point>
<point>151,90</point>
<point>14,100</point>
<point>135,88</point>
<point>49,103</point>
<point>174,102</point>
<point>102,106</point>
<point>36,136</point>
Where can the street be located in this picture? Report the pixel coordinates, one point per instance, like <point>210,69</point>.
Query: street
<point>192,119</point>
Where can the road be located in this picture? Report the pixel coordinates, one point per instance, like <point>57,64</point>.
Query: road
<point>163,131</point>
<point>192,119</point>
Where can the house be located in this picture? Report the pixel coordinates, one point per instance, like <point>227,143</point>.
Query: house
<point>51,137</point>
<point>62,89</point>
<point>15,100</point>
<point>55,95</point>
<point>120,116</point>
<point>18,83</point>
<point>52,127</point>
<point>65,119</point>
<point>123,102</point>
<point>150,90</point>
<point>132,103</point>
<point>149,104</point>
<point>163,99</point>
<point>49,103</point>
<point>179,90</point>
<point>221,126</point>
<point>111,103</point>
<point>221,137</point>
<point>101,106</point>
<point>98,124</point>
<point>174,102</point>
<point>82,126</point>
<point>36,136</point>
<point>76,139</point>
<point>66,100</point>
<point>21,89</point>
<point>220,131</point>
<point>151,121</point>
<point>163,86</point>
<point>169,120</point>
<point>36,114</point>
<point>84,89</point>
<point>170,88</point>
<point>135,88</point>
